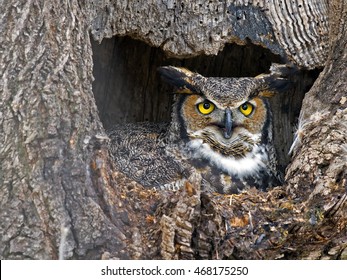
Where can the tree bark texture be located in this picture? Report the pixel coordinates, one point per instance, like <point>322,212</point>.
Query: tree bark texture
<point>296,29</point>
<point>61,196</point>
<point>48,115</point>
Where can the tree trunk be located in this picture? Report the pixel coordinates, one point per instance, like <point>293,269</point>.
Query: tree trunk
<point>61,196</point>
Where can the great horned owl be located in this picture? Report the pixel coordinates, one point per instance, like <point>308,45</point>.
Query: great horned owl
<point>221,128</point>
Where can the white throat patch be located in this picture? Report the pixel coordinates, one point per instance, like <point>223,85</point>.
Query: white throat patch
<point>251,163</point>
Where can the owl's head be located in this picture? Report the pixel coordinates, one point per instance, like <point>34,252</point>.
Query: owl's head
<point>230,116</point>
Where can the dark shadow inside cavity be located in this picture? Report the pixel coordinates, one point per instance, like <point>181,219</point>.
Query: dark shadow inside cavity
<point>127,87</point>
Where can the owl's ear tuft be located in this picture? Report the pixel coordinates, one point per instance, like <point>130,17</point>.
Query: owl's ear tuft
<point>180,78</point>
<point>283,70</point>
<point>278,84</point>
<point>279,79</point>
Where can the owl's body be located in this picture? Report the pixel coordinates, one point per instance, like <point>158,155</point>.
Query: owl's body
<point>221,128</point>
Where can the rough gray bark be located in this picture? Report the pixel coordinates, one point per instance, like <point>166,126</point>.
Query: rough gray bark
<point>297,29</point>
<point>60,194</point>
<point>48,116</point>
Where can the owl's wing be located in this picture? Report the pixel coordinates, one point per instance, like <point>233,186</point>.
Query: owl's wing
<point>140,153</point>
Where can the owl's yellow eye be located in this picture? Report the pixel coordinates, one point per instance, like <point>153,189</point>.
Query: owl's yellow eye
<point>206,107</point>
<point>246,109</point>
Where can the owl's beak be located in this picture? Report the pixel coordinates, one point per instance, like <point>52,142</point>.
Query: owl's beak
<point>228,124</point>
